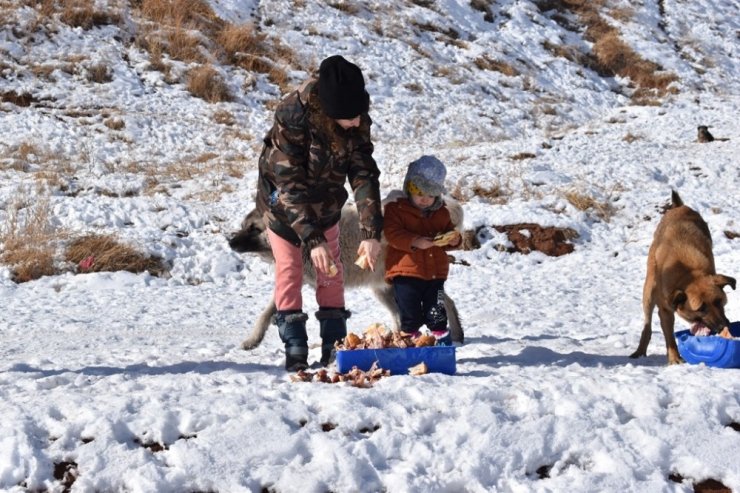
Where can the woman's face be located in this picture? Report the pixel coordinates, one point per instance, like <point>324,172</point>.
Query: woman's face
<point>347,124</point>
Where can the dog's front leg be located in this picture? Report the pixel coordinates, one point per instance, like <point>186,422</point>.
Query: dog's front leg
<point>667,319</point>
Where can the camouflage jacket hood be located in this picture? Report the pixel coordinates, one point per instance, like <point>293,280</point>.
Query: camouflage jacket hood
<point>300,190</point>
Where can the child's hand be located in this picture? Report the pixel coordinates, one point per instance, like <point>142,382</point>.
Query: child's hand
<point>422,243</point>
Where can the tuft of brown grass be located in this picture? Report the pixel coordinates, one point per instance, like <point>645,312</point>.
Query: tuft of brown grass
<point>224,117</point>
<point>245,47</point>
<point>348,8</point>
<point>84,14</point>
<point>104,253</point>
<point>29,239</point>
<point>521,156</point>
<point>485,7</point>
<point>207,83</point>
<point>99,73</point>
<point>114,123</point>
<point>583,202</point>
<point>486,63</point>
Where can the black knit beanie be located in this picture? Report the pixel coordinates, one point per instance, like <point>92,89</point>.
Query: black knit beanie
<point>342,89</point>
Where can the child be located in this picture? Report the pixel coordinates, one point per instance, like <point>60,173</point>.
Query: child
<point>416,265</point>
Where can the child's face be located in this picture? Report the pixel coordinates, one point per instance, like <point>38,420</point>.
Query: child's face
<point>422,201</point>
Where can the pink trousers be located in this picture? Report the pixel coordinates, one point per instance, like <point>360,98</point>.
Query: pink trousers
<point>289,274</point>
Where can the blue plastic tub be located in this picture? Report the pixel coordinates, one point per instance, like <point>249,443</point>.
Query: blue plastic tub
<point>439,359</point>
<point>711,350</point>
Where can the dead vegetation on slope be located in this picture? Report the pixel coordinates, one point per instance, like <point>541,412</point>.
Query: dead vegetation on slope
<point>610,55</point>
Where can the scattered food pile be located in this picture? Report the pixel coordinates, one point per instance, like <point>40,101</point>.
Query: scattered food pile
<point>355,377</point>
<point>377,336</point>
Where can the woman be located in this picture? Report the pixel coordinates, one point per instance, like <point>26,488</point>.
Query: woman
<point>320,139</point>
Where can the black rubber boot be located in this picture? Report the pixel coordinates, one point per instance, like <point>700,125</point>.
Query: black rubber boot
<point>292,328</point>
<point>333,328</point>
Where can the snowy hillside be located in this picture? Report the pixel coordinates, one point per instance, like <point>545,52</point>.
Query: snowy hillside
<point>142,121</point>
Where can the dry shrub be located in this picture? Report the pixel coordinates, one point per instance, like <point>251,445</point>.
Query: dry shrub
<point>114,123</point>
<point>486,63</point>
<point>181,28</point>
<point>613,56</point>
<point>84,14</point>
<point>583,202</point>
<point>610,54</point>
<point>99,253</point>
<point>253,51</point>
<point>29,239</point>
<point>348,8</point>
<point>494,193</point>
<point>630,138</point>
<point>99,73</point>
<point>485,7</point>
<point>19,99</point>
<point>224,118</point>
<point>193,14</point>
<point>207,83</point>
<point>521,156</point>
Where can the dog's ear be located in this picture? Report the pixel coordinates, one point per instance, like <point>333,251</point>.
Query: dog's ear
<point>722,280</point>
<point>678,298</point>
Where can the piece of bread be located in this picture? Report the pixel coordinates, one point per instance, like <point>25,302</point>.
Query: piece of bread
<point>444,239</point>
<point>333,271</point>
<point>362,262</point>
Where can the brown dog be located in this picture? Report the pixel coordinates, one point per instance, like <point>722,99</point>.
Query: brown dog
<point>681,278</point>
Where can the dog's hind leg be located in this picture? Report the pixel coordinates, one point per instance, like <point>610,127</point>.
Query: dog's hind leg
<point>648,305</point>
<point>260,328</point>
<point>453,319</point>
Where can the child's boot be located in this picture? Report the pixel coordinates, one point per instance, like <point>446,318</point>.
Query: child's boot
<point>292,328</point>
<point>333,328</point>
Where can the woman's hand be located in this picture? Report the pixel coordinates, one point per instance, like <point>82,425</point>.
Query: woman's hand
<point>370,249</point>
<point>321,258</point>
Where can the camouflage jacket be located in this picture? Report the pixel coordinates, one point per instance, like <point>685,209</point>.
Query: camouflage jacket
<point>300,190</point>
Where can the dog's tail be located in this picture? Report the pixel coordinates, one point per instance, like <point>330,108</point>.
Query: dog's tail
<point>675,200</point>
<point>260,328</point>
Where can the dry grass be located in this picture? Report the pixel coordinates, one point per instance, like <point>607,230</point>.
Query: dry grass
<point>493,193</point>
<point>414,87</point>
<point>224,117</point>
<point>19,99</point>
<point>29,240</point>
<point>521,156</point>
<point>630,138</point>
<point>99,73</point>
<point>487,63</point>
<point>207,83</point>
<point>83,13</point>
<point>114,123</point>
<point>604,210</point>
<point>349,8</point>
<point>610,55</point>
<point>99,253</point>
<point>246,48</point>
<point>485,7</point>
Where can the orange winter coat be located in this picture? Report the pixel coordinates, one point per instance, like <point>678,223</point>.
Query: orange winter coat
<point>402,223</point>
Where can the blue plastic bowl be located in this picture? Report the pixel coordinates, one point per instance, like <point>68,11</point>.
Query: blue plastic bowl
<point>439,359</point>
<point>711,350</point>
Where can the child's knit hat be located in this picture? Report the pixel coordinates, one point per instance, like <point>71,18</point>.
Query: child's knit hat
<point>425,176</point>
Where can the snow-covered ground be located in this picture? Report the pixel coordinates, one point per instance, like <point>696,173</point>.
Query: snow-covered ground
<point>94,366</point>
